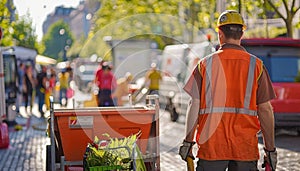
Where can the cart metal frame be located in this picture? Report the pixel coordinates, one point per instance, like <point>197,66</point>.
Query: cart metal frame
<point>153,158</point>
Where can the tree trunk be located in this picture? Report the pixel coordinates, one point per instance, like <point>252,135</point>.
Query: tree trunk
<point>289,27</point>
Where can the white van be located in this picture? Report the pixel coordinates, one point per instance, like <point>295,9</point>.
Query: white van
<point>178,62</point>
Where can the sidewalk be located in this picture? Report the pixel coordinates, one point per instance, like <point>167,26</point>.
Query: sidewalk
<point>27,146</point>
<point>27,149</point>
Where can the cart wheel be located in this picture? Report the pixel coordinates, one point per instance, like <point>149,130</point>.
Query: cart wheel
<point>48,157</point>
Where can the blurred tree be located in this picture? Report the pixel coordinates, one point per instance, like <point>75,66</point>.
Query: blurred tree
<point>267,9</point>
<point>128,24</point>
<point>6,23</point>
<point>16,31</point>
<point>57,40</point>
<point>291,7</point>
<point>205,16</point>
<point>24,34</point>
<point>76,47</point>
<point>165,22</point>
<point>169,22</point>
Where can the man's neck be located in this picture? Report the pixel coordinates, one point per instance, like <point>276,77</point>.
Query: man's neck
<point>232,41</point>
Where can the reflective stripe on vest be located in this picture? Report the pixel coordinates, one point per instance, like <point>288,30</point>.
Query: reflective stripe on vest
<point>208,94</point>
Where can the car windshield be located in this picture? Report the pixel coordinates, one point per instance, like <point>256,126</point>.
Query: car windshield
<point>282,62</point>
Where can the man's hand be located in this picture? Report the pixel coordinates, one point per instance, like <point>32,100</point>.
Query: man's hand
<point>185,150</point>
<point>271,158</point>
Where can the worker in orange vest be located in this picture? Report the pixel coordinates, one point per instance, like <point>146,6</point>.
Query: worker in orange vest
<point>231,92</point>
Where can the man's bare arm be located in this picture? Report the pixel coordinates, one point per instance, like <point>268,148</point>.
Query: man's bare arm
<point>266,118</point>
<point>191,119</point>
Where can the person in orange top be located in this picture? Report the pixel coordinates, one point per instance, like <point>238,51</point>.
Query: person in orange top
<point>122,89</point>
<point>231,92</point>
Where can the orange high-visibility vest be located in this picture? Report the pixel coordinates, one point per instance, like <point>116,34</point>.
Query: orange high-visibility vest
<point>228,123</point>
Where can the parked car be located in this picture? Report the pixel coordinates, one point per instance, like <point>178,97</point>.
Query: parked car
<point>281,57</point>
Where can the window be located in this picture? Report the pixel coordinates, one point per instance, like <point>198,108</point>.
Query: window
<point>282,62</point>
<point>9,70</point>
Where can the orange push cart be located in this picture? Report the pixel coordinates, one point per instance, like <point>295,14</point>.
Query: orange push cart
<point>72,129</point>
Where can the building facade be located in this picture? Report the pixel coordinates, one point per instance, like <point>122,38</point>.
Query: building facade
<point>79,19</point>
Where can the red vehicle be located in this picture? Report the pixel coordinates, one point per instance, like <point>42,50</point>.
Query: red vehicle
<point>281,57</point>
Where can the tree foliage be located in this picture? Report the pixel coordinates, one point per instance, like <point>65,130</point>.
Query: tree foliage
<point>268,9</point>
<point>290,8</point>
<point>24,34</point>
<point>76,47</point>
<point>165,22</point>
<point>57,40</point>
<point>6,23</point>
<point>138,18</point>
<point>17,30</point>
<point>177,21</point>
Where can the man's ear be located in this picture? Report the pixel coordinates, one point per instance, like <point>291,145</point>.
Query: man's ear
<point>221,36</point>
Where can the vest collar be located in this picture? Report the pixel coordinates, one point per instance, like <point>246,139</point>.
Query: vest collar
<point>231,46</point>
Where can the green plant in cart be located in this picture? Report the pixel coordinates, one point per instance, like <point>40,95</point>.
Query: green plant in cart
<point>114,152</point>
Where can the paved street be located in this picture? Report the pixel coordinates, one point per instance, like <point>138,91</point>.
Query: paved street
<point>27,146</point>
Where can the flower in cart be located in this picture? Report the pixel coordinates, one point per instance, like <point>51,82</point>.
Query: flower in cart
<point>103,144</point>
<point>99,143</point>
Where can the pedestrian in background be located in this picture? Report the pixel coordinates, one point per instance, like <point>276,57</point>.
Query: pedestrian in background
<point>21,74</point>
<point>41,88</point>
<point>122,88</point>
<point>152,79</point>
<point>28,87</point>
<point>50,88</point>
<point>228,109</point>
<point>63,86</point>
<point>107,84</point>
<point>98,74</point>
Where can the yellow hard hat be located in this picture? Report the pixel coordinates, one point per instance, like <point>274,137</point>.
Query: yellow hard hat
<point>230,17</point>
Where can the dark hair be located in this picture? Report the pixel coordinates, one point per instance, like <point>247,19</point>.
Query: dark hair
<point>234,31</point>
